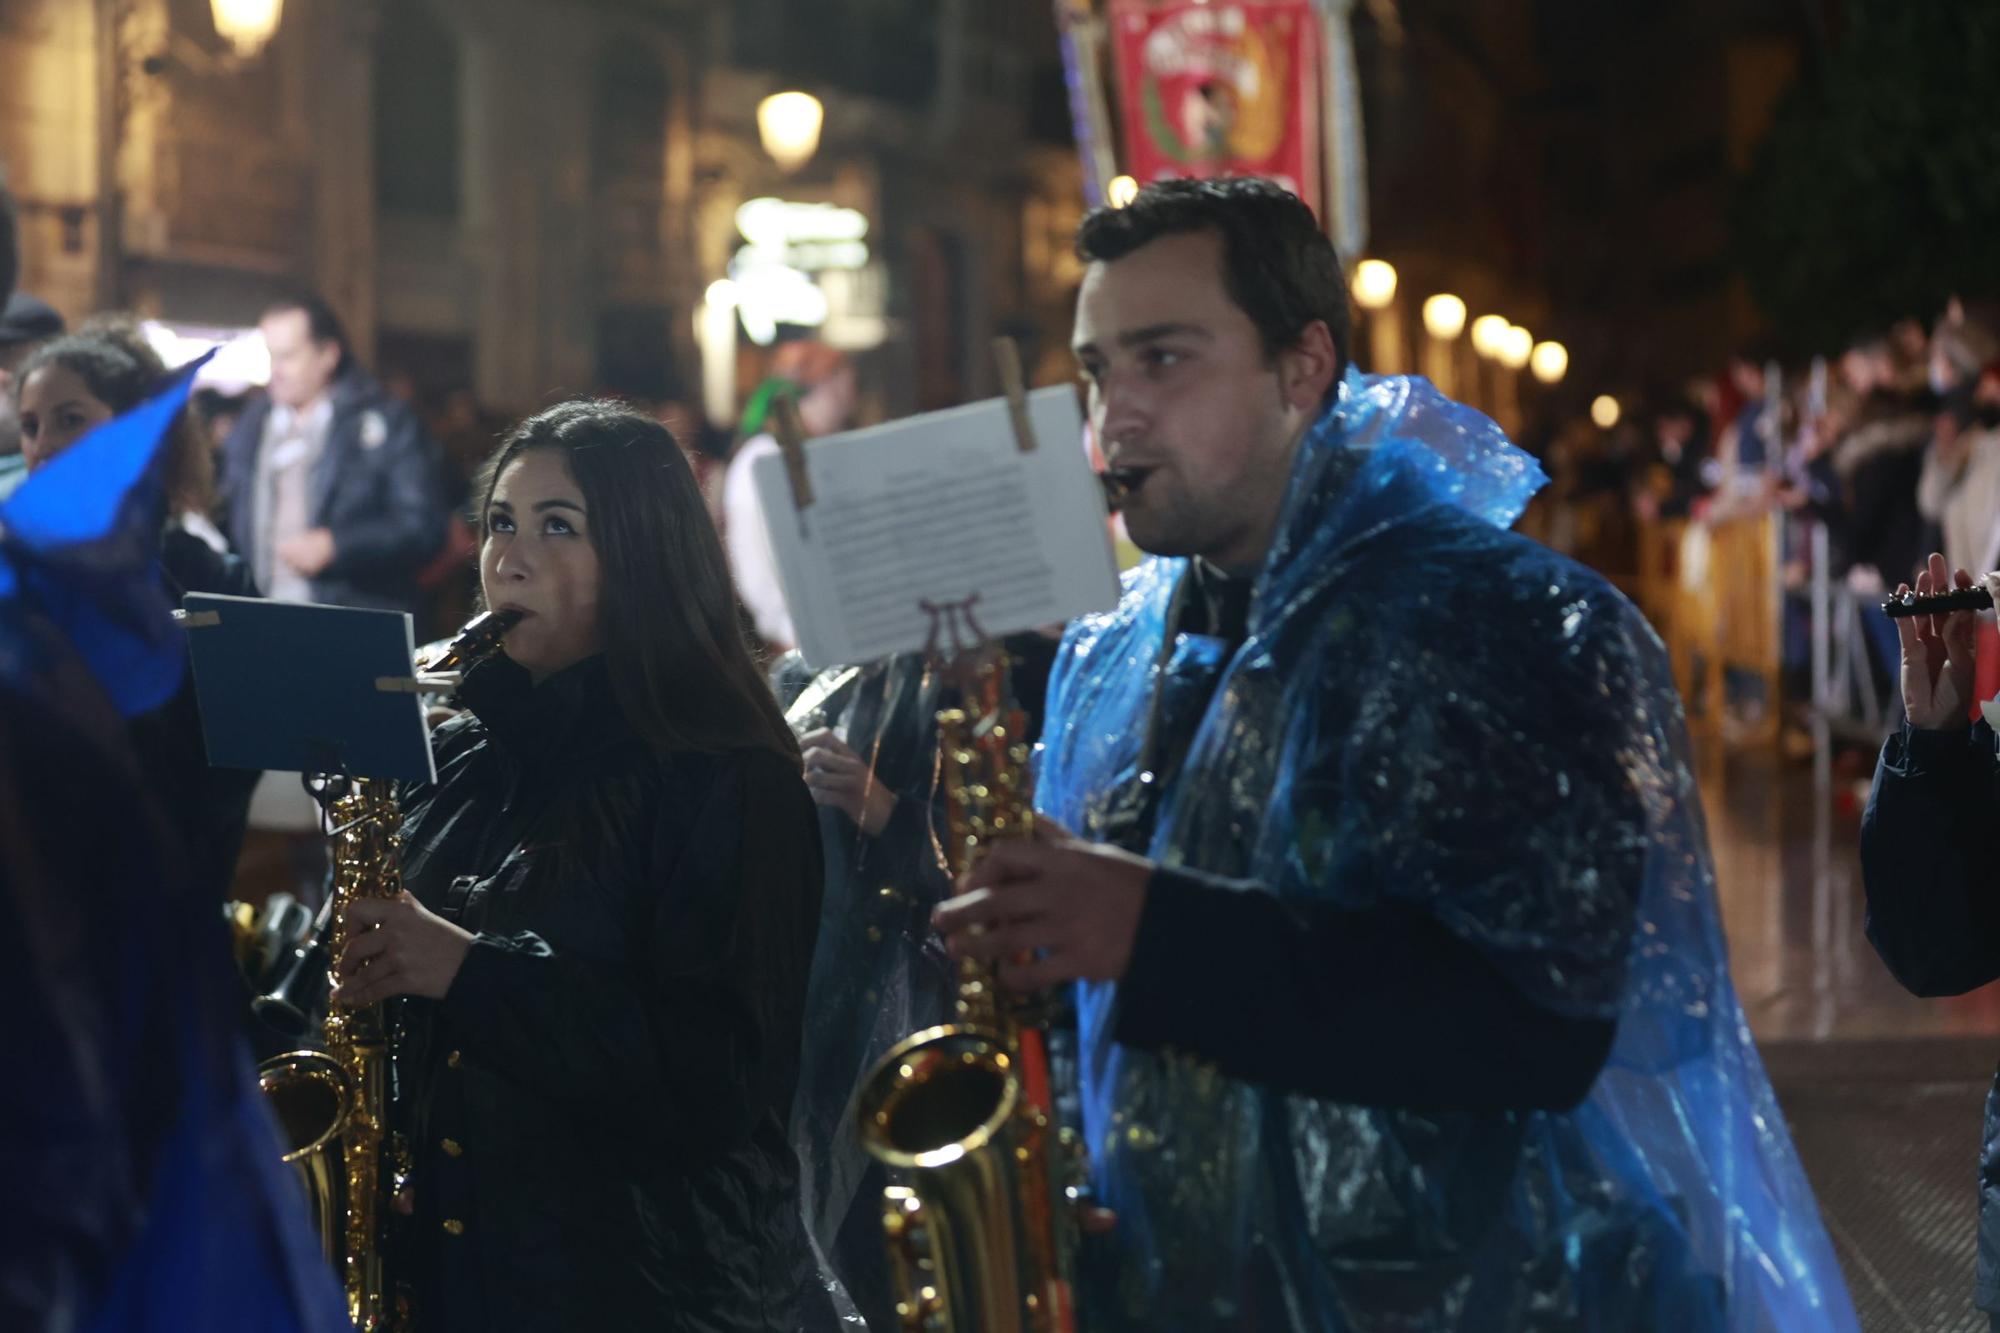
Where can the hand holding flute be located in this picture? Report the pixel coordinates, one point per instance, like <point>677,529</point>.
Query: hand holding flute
<point>1937,626</point>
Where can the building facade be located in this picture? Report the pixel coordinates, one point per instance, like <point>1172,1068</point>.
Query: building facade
<point>534,198</point>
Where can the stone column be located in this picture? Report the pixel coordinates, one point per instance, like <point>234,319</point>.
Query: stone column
<point>525,84</point>
<point>337,83</point>
<point>49,135</point>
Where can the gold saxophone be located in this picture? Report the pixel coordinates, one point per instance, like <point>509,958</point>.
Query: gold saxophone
<point>979,1226</point>
<point>332,1105</point>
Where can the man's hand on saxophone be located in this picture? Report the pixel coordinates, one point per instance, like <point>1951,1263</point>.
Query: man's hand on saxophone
<point>397,946</point>
<point>1048,910</point>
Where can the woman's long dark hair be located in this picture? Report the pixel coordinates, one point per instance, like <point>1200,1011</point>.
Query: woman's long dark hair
<point>666,609</point>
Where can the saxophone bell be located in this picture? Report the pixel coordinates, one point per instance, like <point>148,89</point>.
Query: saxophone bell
<point>979,1225</point>
<point>313,1098</point>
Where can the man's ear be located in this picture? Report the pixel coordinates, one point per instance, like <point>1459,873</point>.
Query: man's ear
<point>1308,368</point>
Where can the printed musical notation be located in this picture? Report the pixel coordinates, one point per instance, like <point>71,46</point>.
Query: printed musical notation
<point>938,509</point>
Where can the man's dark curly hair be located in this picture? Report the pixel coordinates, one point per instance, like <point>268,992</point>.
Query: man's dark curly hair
<point>1279,267</point>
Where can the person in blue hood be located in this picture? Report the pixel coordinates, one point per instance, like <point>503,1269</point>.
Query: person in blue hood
<point>141,1169</point>
<point>1402,997</point>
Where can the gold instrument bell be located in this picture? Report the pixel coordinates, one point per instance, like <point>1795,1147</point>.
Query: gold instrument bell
<point>978,1222</point>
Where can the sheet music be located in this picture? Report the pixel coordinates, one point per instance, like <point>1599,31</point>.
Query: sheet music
<point>938,509</point>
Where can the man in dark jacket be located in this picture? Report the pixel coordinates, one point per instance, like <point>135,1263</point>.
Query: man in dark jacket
<point>1933,913</point>
<point>334,493</point>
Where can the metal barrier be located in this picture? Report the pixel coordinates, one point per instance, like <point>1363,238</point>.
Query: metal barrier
<point>1848,701</point>
<point>1714,591</point>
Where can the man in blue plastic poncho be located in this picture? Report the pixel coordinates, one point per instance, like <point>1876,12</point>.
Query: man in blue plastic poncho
<point>1401,996</point>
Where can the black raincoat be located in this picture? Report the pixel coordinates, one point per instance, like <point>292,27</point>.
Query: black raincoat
<point>597,1108</point>
<point>209,807</point>
<point>1927,865</point>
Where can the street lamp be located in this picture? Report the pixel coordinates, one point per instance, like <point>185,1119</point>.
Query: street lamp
<point>1516,347</point>
<point>1487,333</point>
<point>1604,410</point>
<point>1374,284</point>
<point>247,25</point>
<point>789,125</point>
<point>1444,320</point>
<point>1444,317</point>
<point>1549,362</point>
<point>1374,289</point>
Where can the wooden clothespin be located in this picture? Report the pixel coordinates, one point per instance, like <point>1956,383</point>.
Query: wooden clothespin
<point>442,684</point>
<point>789,432</point>
<point>1015,385</point>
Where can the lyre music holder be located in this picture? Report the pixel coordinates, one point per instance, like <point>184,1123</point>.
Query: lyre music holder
<point>945,621</point>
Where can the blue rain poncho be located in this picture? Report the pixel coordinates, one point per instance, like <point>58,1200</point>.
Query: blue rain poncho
<point>1432,712</point>
<point>140,1167</point>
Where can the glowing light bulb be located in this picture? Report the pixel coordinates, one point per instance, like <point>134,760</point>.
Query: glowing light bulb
<point>789,126</point>
<point>1444,317</point>
<point>1488,332</point>
<point>1374,284</point>
<point>1549,362</point>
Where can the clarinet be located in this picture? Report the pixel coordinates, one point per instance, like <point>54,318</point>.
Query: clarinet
<point>1975,598</point>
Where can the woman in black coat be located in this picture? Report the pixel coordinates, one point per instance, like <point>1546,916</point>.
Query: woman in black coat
<point>1926,852</point>
<point>612,897</point>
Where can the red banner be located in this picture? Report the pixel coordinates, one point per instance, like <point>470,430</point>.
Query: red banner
<point>1220,89</point>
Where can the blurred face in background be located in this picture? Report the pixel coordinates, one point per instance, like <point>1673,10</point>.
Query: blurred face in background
<point>1865,368</point>
<point>10,425</point>
<point>56,410</point>
<point>829,405</point>
<point>1911,340</point>
<point>1673,431</point>
<point>302,367</point>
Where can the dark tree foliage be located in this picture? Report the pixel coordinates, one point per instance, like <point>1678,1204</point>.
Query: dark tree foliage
<point>1877,194</point>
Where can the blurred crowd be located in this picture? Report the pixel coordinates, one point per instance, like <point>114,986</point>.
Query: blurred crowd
<point>1889,446</point>
<point>338,486</point>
